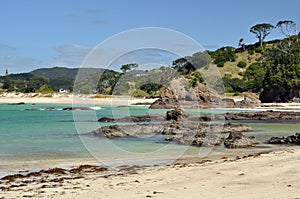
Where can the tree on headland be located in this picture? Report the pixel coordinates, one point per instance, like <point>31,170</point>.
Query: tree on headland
<point>287,27</point>
<point>290,30</point>
<point>242,44</point>
<point>261,31</point>
<point>128,67</point>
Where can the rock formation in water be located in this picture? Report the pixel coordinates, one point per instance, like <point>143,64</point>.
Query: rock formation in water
<point>177,127</point>
<point>238,140</point>
<point>263,115</point>
<point>292,139</point>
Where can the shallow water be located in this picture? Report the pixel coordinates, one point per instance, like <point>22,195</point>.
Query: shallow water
<point>44,133</point>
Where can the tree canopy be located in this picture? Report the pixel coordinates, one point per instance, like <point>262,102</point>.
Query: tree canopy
<point>261,31</point>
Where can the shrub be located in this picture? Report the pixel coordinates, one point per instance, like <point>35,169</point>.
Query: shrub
<point>45,89</point>
<point>220,64</point>
<point>139,93</point>
<point>242,64</point>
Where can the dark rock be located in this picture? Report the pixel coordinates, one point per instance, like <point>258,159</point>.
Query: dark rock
<point>106,119</point>
<point>139,118</point>
<point>19,103</point>
<point>76,108</point>
<point>114,131</point>
<point>119,131</point>
<point>280,94</point>
<point>176,115</point>
<point>292,139</point>
<point>231,127</point>
<point>263,115</point>
<point>166,101</point>
<point>238,140</point>
<point>203,139</point>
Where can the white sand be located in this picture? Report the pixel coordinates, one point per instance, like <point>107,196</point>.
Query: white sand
<point>69,99</point>
<point>274,175</point>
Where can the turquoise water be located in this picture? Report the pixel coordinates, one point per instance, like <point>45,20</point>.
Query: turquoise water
<point>34,133</point>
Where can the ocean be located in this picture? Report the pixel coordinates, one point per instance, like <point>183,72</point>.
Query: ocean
<point>39,133</point>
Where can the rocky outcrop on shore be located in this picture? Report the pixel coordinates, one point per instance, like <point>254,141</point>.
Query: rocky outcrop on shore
<point>263,115</point>
<point>292,139</point>
<point>238,140</point>
<point>120,131</point>
<point>178,93</point>
<point>139,118</point>
<point>187,133</point>
<point>177,127</point>
<point>280,94</point>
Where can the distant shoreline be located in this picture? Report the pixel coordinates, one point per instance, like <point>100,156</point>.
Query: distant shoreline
<point>58,98</point>
<point>63,98</point>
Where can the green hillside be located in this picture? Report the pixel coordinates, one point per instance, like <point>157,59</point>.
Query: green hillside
<point>268,68</point>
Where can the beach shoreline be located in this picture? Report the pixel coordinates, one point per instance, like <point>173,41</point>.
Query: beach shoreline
<point>94,99</point>
<point>268,175</point>
<point>63,98</point>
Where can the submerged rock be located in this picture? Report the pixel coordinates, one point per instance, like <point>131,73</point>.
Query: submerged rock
<point>292,139</point>
<point>264,115</point>
<point>238,140</point>
<point>139,118</point>
<point>76,108</point>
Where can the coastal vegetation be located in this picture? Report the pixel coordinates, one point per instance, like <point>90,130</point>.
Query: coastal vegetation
<point>268,68</point>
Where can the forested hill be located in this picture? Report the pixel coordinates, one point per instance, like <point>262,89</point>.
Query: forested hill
<point>54,78</point>
<point>58,72</point>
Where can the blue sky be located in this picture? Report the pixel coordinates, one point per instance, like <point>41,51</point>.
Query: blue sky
<point>47,33</point>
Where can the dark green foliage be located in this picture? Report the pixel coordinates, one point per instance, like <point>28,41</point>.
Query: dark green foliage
<point>188,64</point>
<point>6,84</point>
<point>139,93</point>
<point>254,76</point>
<point>242,64</point>
<point>61,82</point>
<point>282,63</point>
<point>107,81</point>
<point>195,78</point>
<point>23,82</point>
<point>223,55</point>
<point>128,67</point>
<point>283,66</point>
<point>56,72</point>
<point>183,66</point>
<point>233,85</point>
<point>45,89</point>
<point>221,64</point>
<point>151,88</point>
<point>261,31</point>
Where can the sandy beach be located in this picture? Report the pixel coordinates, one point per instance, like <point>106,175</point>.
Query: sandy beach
<point>62,98</point>
<point>270,175</point>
